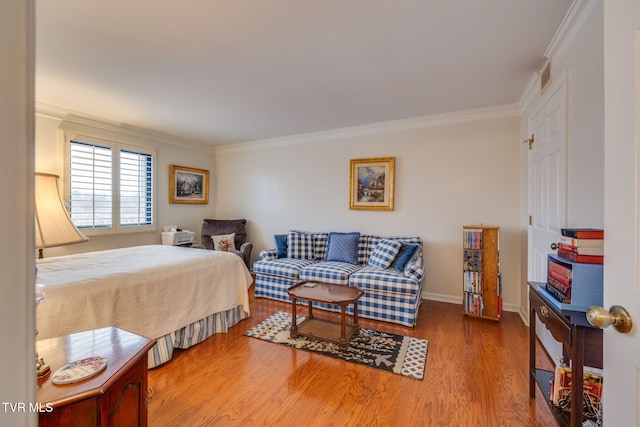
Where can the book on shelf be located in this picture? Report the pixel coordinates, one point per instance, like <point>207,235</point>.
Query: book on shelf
<point>473,238</point>
<point>565,288</point>
<point>581,250</point>
<point>591,389</point>
<point>582,243</point>
<point>557,293</point>
<point>587,259</point>
<point>560,271</point>
<point>473,281</point>
<point>472,260</point>
<point>583,233</point>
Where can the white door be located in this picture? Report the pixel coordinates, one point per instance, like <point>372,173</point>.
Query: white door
<point>547,177</point>
<point>621,395</point>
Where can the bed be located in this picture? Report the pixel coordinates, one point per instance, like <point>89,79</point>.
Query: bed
<point>179,296</point>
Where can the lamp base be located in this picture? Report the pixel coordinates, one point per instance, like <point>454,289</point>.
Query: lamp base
<point>42,369</point>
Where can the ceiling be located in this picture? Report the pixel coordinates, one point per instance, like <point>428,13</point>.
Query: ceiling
<point>227,71</point>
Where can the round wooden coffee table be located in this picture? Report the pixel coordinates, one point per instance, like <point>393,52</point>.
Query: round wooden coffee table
<point>341,295</point>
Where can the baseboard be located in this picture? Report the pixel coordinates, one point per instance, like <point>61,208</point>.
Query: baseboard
<point>458,300</point>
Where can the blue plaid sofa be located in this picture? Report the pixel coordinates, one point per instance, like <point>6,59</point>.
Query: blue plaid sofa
<point>390,295</point>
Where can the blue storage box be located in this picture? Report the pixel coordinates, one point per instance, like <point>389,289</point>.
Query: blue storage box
<point>586,285</point>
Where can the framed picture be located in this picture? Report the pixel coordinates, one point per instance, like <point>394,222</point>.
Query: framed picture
<point>188,185</point>
<point>372,184</point>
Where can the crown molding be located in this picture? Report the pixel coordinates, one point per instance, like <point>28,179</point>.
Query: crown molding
<point>500,111</point>
<point>79,121</point>
<point>572,22</point>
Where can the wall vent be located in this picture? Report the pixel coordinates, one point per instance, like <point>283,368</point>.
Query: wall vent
<point>545,76</point>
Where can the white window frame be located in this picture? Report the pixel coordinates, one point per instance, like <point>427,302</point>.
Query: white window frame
<point>116,148</point>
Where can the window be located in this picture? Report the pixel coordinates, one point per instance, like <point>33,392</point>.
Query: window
<point>110,186</point>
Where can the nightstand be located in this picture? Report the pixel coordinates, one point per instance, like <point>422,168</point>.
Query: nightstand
<point>113,397</point>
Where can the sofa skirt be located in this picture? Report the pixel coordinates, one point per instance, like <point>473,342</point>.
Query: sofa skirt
<point>378,305</point>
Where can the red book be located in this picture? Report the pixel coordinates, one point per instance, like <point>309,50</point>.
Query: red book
<point>564,289</point>
<point>583,233</point>
<point>561,269</point>
<point>559,277</point>
<point>587,259</point>
<point>581,250</point>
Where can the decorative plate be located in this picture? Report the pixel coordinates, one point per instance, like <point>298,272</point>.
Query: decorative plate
<point>79,370</point>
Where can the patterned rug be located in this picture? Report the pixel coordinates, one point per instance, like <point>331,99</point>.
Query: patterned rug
<point>393,353</point>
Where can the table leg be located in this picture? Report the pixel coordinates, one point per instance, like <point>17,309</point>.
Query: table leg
<point>355,315</point>
<point>293,332</point>
<point>344,343</point>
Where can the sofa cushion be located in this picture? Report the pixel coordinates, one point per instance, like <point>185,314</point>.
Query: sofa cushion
<point>384,253</point>
<point>281,245</point>
<point>371,279</point>
<point>343,247</point>
<point>300,245</point>
<point>329,272</point>
<point>407,252</point>
<point>283,267</point>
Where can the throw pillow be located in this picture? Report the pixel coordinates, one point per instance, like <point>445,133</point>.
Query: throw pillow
<point>343,247</point>
<point>384,253</point>
<point>225,242</point>
<point>300,245</point>
<point>281,245</point>
<point>406,254</point>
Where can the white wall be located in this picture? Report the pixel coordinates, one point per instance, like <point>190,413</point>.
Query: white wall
<point>448,173</point>
<point>17,323</point>
<point>50,158</point>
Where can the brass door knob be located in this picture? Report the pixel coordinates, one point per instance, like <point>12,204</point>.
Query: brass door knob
<point>616,316</point>
<point>554,246</point>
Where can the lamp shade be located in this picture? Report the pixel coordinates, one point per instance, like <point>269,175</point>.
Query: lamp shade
<point>53,224</point>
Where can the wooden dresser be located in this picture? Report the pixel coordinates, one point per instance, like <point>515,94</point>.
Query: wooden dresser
<point>114,397</point>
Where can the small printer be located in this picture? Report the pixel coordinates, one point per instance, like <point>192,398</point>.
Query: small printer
<point>175,236</point>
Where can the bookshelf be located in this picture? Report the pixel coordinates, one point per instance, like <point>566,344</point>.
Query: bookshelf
<point>481,284</point>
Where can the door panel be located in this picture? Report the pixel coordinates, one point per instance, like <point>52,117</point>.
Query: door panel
<point>548,177</point>
<point>621,385</point>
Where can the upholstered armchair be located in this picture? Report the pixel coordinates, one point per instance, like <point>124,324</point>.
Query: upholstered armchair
<point>212,229</point>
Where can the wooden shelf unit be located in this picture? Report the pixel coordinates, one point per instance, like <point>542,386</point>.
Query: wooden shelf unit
<point>581,344</point>
<point>484,300</point>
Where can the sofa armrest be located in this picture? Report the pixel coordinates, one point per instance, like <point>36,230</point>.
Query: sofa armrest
<point>268,254</point>
<point>415,268</point>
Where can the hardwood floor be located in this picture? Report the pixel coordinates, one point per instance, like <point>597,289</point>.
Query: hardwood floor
<point>476,375</point>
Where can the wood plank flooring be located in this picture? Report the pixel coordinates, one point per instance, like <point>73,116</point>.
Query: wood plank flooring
<point>476,375</point>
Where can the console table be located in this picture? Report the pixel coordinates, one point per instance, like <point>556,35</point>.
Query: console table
<point>581,343</point>
<point>114,397</point>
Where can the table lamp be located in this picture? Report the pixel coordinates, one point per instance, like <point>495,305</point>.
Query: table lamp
<point>53,224</point>
<point>53,228</point>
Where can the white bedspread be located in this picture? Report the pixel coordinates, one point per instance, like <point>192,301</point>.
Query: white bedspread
<point>148,290</point>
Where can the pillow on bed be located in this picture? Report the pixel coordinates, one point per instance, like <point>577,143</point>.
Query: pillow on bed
<point>343,247</point>
<point>225,242</point>
<point>384,253</point>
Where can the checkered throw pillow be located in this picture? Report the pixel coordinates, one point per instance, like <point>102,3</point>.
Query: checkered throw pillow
<point>300,246</point>
<point>384,253</point>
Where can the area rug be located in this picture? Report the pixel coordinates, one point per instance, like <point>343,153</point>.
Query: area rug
<point>393,353</point>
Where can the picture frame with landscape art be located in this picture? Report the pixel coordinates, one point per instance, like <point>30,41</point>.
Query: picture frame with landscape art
<point>372,184</point>
<point>188,185</point>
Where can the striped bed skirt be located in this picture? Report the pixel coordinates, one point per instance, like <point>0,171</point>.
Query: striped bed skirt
<point>193,334</point>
